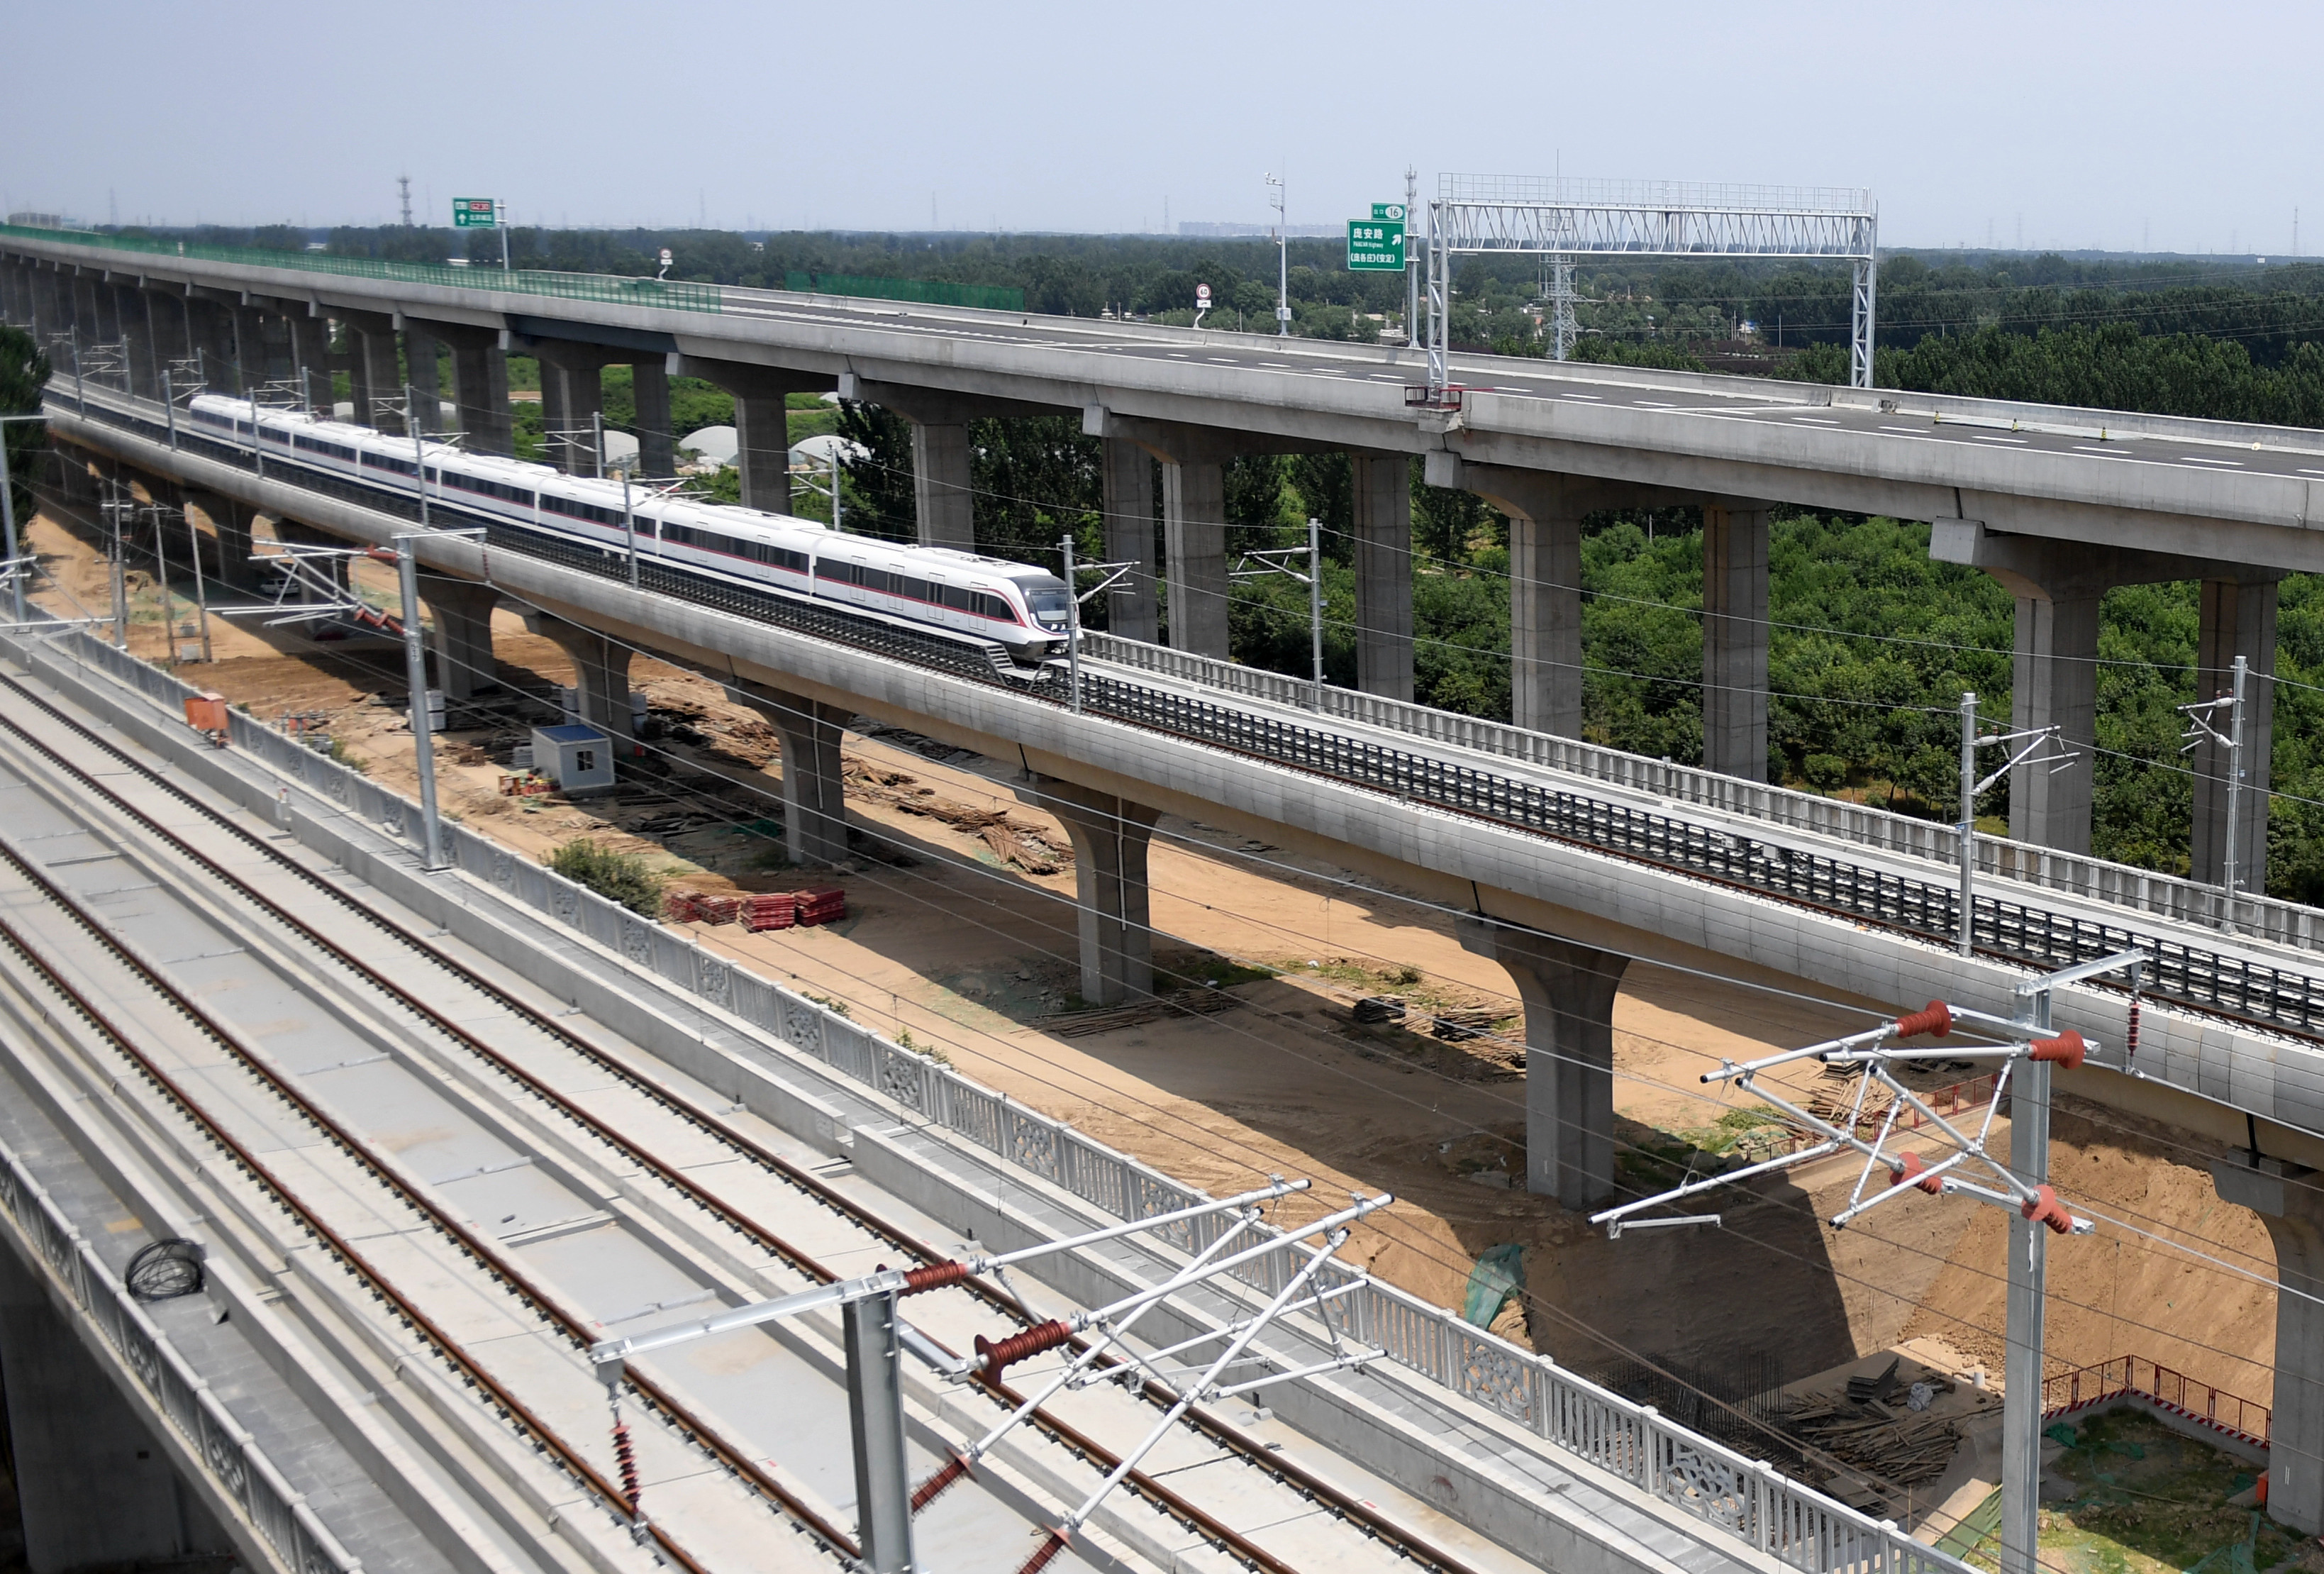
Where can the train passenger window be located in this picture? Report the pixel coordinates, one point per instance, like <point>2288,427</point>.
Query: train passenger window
<point>993,607</point>
<point>831,569</point>
<point>917,590</point>
<point>959,599</point>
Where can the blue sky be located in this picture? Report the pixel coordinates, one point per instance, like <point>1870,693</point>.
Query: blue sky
<point>2071,124</point>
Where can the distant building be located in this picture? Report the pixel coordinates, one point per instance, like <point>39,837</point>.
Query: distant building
<point>37,220</point>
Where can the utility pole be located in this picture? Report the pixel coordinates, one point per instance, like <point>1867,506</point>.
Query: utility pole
<point>403,190</point>
<point>162,584</point>
<point>415,675</point>
<point>629,527</point>
<point>119,570</point>
<point>20,565</point>
<point>201,590</point>
<point>2035,740</point>
<point>1282,260</point>
<point>1411,256</point>
<point>2200,717</point>
<point>1563,328</point>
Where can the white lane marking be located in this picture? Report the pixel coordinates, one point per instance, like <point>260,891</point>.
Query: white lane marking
<point>1655,403</point>
<point>1816,420</point>
<point>2313,472</point>
<point>1987,437</point>
<point>1907,430</point>
<point>1570,395</point>
<point>1277,366</point>
<point>1384,376</point>
<point>2102,453</point>
<point>1179,356</point>
<point>1217,361</point>
<point>2200,459</point>
<point>1504,388</point>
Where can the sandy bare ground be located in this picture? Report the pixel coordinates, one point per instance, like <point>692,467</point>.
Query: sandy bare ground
<point>968,954</point>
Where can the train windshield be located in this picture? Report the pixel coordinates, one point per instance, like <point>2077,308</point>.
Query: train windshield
<point>1046,598</point>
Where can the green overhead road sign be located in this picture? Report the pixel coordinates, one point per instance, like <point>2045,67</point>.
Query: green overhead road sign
<point>1375,245</point>
<point>475,213</point>
<point>1389,212</point>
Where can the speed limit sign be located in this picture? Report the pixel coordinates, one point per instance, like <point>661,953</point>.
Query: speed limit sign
<point>1201,294</point>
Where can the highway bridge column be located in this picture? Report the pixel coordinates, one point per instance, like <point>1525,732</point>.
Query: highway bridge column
<point>165,311</point>
<point>1735,639</point>
<point>2239,619</point>
<point>251,357</point>
<point>421,353</point>
<point>375,376</point>
<point>2288,1201</point>
<point>95,308</point>
<point>814,788</point>
<point>761,421</point>
<point>1132,608</point>
<point>209,331</point>
<point>230,523</point>
<point>94,1488</point>
<point>480,393</point>
<point>601,675</point>
<point>944,502</point>
<point>572,397</point>
<point>1110,836</point>
<point>310,358</point>
<point>657,444</point>
<point>460,632</point>
<point>136,334</point>
<point>1383,531</point>
<point>1568,990</point>
<point>1194,553</point>
<point>1544,511</point>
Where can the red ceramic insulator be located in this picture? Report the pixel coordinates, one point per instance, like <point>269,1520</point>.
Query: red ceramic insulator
<point>1934,1018</point>
<point>1043,1555</point>
<point>934,1276</point>
<point>2066,1049</point>
<point>955,1470</point>
<point>1909,1173</point>
<point>2043,1207</point>
<point>997,1356</point>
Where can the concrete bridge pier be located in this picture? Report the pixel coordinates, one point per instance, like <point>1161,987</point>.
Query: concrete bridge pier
<point>1544,511</point>
<point>253,356</point>
<point>422,368</point>
<point>1110,836</point>
<point>95,1485</point>
<point>601,676</point>
<point>2239,619</point>
<point>1383,533</point>
<point>230,526</point>
<point>136,331</point>
<point>815,787</point>
<point>2288,1201</point>
<point>1735,639</point>
<point>572,401</point>
<point>460,632</point>
<point>1568,990</point>
<point>657,444</point>
<point>480,400</point>
<point>1133,609</point>
<point>2059,585</point>
<point>96,307</point>
<point>944,496</point>
<point>375,376</point>
<point>209,327</point>
<point>165,313</point>
<point>311,357</point>
<point>761,421</point>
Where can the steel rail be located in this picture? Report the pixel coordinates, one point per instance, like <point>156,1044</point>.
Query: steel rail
<point>2207,983</point>
<point>1153,1391</point>
<point>38,961</point>
<point>567,1322</point>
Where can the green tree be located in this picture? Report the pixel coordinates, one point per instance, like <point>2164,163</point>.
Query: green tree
<point>23,373</point>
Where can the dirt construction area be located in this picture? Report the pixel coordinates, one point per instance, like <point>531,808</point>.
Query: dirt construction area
<point>1251,1061</point>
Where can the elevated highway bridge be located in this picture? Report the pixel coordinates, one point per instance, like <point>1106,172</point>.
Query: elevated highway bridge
<point>1567,862</point>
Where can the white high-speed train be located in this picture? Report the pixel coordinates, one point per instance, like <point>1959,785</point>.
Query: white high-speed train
<point>1019,605</point>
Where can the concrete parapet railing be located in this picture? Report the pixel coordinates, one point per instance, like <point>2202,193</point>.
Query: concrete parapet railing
<point>2262,917</point>
<point>1746,1499</point>
<point>235,1464</point>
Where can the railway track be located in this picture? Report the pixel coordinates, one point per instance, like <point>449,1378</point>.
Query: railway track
<point>2255,988</point>
<point>251,996</point>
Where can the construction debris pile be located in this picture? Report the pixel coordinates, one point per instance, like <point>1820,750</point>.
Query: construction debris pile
<point>1013,841</point>
<point>1880,1426</point>
<point>1074,1025</point>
